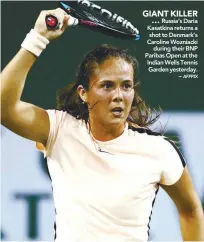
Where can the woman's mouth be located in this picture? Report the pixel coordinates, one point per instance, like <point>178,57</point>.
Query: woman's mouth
<point>117,111</point>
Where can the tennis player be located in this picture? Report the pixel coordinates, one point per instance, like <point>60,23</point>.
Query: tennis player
<point>105,164</point>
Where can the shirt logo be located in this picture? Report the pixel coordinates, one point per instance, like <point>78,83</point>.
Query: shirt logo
<point>103,151</point>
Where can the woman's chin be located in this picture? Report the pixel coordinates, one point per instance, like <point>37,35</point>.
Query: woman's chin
<point>115,121</point>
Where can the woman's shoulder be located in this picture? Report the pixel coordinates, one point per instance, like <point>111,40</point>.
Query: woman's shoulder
<point>62,119</point>
<point>60,114</point>
<point>142,130</point>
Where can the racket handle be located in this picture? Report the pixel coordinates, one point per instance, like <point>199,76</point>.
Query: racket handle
<point>52,22</point>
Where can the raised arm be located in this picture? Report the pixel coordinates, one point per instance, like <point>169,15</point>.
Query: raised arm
<point>25,119</point>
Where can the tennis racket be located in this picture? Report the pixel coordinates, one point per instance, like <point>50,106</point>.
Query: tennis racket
<point>87,14</point>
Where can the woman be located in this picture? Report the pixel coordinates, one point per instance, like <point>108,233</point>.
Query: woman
<point>105,166</point>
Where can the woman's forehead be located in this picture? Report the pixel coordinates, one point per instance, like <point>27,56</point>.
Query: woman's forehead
<point>113,67</point>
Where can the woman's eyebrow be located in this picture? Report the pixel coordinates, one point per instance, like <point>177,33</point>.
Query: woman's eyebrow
<point>114,81</point>
<point>128,81</point>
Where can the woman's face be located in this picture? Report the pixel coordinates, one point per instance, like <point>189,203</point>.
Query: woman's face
<point>111,92</point>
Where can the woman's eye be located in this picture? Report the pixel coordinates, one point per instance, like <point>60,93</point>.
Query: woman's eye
<point>108,85</point>
<point>127,86</point>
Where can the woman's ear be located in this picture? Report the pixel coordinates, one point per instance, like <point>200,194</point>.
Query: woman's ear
<point>82,93</point>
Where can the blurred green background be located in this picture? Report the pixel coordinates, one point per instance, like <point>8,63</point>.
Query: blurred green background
<point>57,65</point>
<point>56,68</point>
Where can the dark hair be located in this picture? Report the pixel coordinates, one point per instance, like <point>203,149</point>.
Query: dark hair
<point>68,99</point>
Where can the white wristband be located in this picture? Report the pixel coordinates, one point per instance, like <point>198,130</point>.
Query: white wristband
<point>34,42</point>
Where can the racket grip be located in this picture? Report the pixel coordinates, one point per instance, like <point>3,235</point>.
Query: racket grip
<point>53,23</point>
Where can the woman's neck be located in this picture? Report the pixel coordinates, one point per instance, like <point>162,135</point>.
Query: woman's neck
<point>102,133</point>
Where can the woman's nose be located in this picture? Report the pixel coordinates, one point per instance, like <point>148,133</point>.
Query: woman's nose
<point>118,94</point>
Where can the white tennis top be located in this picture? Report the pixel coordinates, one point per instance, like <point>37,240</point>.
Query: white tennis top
<point>104,191</point>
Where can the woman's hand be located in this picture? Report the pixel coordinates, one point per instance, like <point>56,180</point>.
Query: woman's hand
<point>41,27</point>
